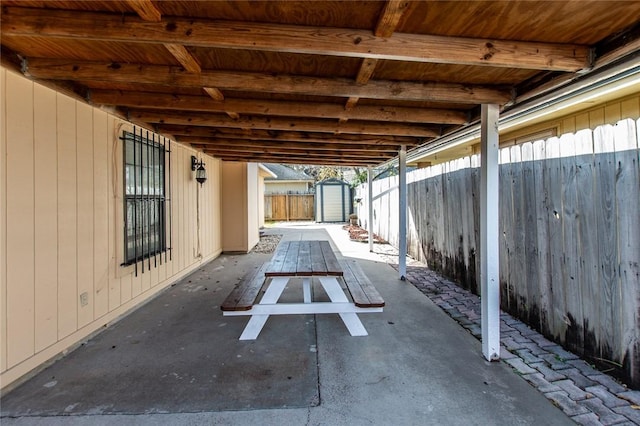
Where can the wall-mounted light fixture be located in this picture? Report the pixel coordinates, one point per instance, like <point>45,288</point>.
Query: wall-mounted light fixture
<point>198,167</point>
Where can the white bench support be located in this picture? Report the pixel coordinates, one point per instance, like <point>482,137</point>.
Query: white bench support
<point>336,294</point>
<point>269,306</point>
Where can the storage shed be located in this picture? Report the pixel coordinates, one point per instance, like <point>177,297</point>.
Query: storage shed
<point>333,201</point>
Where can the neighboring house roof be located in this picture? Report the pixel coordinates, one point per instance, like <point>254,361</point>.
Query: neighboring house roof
<point>283,172</point>
<point>265,172</point>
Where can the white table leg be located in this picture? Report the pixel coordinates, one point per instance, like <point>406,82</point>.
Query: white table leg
<point>336,294</point>
<point>271,295</point>
<point>254,327</point>
<point>306,288</point>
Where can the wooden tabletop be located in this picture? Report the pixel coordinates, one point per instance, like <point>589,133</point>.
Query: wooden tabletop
<point>303,258</point>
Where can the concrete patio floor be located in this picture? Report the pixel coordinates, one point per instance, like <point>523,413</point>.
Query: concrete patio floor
<point>417,366</point>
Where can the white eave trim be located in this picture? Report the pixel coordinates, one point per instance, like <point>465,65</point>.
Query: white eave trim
<point>266,171</point>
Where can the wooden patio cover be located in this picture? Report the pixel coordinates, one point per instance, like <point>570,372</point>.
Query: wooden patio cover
<point>313,82</point>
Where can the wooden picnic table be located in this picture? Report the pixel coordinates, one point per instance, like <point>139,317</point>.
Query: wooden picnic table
<point>304,258</point>
<point>307,260</point>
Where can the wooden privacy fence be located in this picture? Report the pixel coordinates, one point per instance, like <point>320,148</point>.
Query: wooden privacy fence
<point>289,207</point>
<point>570,236</point>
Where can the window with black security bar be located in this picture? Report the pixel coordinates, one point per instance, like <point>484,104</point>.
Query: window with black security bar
<point>145,198</point>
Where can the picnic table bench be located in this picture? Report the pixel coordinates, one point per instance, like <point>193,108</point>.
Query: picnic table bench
<point>305,259</point>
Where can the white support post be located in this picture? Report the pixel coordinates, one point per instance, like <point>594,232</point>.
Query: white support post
<point>402,215</point>
<point>489,233</point>
<point>370,207</point>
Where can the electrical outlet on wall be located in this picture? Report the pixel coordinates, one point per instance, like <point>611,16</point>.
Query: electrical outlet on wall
<point>84,299</point>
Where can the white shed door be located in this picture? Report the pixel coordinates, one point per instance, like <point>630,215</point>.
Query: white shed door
<point>332,203</point>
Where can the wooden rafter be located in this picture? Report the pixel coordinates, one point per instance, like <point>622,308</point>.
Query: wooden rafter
<point>294,159</point>
<point>308,125</point>
<point>297,39</point>
<point>367,68</point>
<point>190,63</point>
<point>282,136</point>
<point>146,10</point>
<point>214,93</point>
<point>277,108</point>
<point>277,146</point>
<point>299,152</point>
<point>351,103</point>
<point>185,58</point>
<point>387,23</point>
<point>390,17</point>
<point>58,69</point>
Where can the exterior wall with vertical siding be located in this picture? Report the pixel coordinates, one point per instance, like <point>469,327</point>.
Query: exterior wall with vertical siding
<point>240,206</point>
<point>61,224</point>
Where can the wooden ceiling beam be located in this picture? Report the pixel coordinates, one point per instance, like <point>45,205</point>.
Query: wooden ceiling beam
<point>387,23</point>
<point>60,69</point>
<point>276,145</point>
<point>308,125</point>
<point>301,152</point>
<point>296,39</point>
<point>282,136</point>
<point>289,159</point>
<point>277,108</point>
<point>367,68</point>
<point>148,12</point>
<point>191,64</point>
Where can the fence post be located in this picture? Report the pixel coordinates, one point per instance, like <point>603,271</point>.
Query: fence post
<point>370,207</point>
<point>402,216</point>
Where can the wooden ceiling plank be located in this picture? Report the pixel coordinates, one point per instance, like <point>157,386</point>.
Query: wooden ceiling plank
<point>390,17</point>
<point>296,39</point>
<point>270,123</point>
<point>58,69</point>
<point>146,10</point>
<point>277,108</point>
